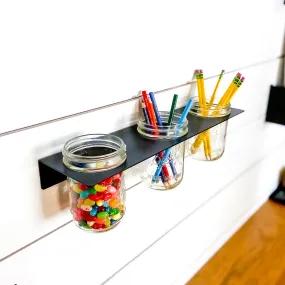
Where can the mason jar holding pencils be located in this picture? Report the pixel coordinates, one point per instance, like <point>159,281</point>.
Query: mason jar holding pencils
<point>165,169</point>
<point>99,207</point>
<point>210,144</point>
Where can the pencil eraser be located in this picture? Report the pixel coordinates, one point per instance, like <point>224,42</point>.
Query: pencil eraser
<point>242,79</point>
<point>239,75</point>
<point>196,70</point>
<point>201,71</point>
<point>223,71</point>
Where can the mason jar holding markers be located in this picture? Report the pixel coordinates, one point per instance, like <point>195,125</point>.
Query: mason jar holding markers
<point>164,170</point>
<point>210,144</point>
<point>99,207</point>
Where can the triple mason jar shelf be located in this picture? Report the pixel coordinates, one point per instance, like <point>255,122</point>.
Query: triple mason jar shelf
<point>52,170</point>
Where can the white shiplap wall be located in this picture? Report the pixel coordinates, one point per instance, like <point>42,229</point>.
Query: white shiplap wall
<point>63,57</point>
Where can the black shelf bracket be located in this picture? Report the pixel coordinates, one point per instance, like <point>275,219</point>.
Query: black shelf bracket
<point>52,170</point>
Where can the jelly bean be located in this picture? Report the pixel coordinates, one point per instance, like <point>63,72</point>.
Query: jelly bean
<point>114,211</point>
<point>96,197</point>
<point>116,217</point>
<point>86,208</point>
<point>111,189</point>
<point>100,188</point>
<point>87,217</point>
<point>97,226</point>
<point>112,222</point>
<point>82,186</point>
<point>107,223</point>
<point>102,215</point>
<point>99,203</point>
<point>90,223</point>
<point>76,189</point>
<point>107,209</point>
<point>84,194</point>
<point>117,183</point>
<point>88,202</point>
<point>105,204</point>
<point>101,209</point>
<point>114,202</point>
<point>107,181</point>
<point>82,223</point>
<point>80,201</point>
<point>100,221</point>
<point>87,227</point>
<point>92,191</point>
<point>107,196</point>
<point>93,212</point>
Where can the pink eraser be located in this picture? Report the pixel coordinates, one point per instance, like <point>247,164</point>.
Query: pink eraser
<point>239,74</point>
<point>201,71</point>
<point>196,70</point>
<point>242,79</point>
<point>223,71</point>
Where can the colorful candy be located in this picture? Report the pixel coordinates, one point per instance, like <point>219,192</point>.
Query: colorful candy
<point>99,207</point>
<point>82,186</point>
<point>88,202</point>
<point>114,202</point>
<point>84,194</point>
<point>100,188</point>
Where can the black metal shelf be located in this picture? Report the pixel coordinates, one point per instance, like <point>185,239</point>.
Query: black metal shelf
<point>53,171</point>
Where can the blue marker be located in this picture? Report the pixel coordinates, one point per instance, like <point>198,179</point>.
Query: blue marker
<point>161,163</point>
<point>185,113</point>
<point>159,122</point>
<point>145,112</point>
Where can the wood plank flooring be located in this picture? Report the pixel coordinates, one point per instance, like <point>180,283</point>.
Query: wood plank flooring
<point>255,255</point>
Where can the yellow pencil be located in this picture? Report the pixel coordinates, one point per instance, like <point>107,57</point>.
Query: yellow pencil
<point>238,85</point>
<point>229,90</point>
<point>216,88</point>
<point>203,95</point>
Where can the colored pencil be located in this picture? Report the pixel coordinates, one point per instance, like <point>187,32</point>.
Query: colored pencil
<point>159,122</point>
<point>153,123</point>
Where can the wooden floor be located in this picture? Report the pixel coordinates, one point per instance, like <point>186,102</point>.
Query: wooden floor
<point>255,255</point>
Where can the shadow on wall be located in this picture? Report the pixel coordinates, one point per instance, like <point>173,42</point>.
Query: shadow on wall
<point>56,198</point>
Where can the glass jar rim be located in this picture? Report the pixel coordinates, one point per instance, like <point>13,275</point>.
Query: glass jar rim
<point>173,131</point>
<point>67,153</point>
<point>197,110</point>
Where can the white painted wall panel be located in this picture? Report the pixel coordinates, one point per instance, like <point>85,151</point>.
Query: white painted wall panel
<point>62,57</point>
<point>46,210</point>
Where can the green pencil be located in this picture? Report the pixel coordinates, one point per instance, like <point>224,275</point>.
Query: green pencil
<point>173,105</point>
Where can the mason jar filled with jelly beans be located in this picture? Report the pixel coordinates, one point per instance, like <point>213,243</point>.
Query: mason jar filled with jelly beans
<point>99,207</point>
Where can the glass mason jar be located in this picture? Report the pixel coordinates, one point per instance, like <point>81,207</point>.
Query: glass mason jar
<point>210,144</point>
<point>99,207</point>
<point>165,170</point>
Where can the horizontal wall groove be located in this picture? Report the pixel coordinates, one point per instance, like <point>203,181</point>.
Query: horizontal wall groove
<point>133,98</point>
